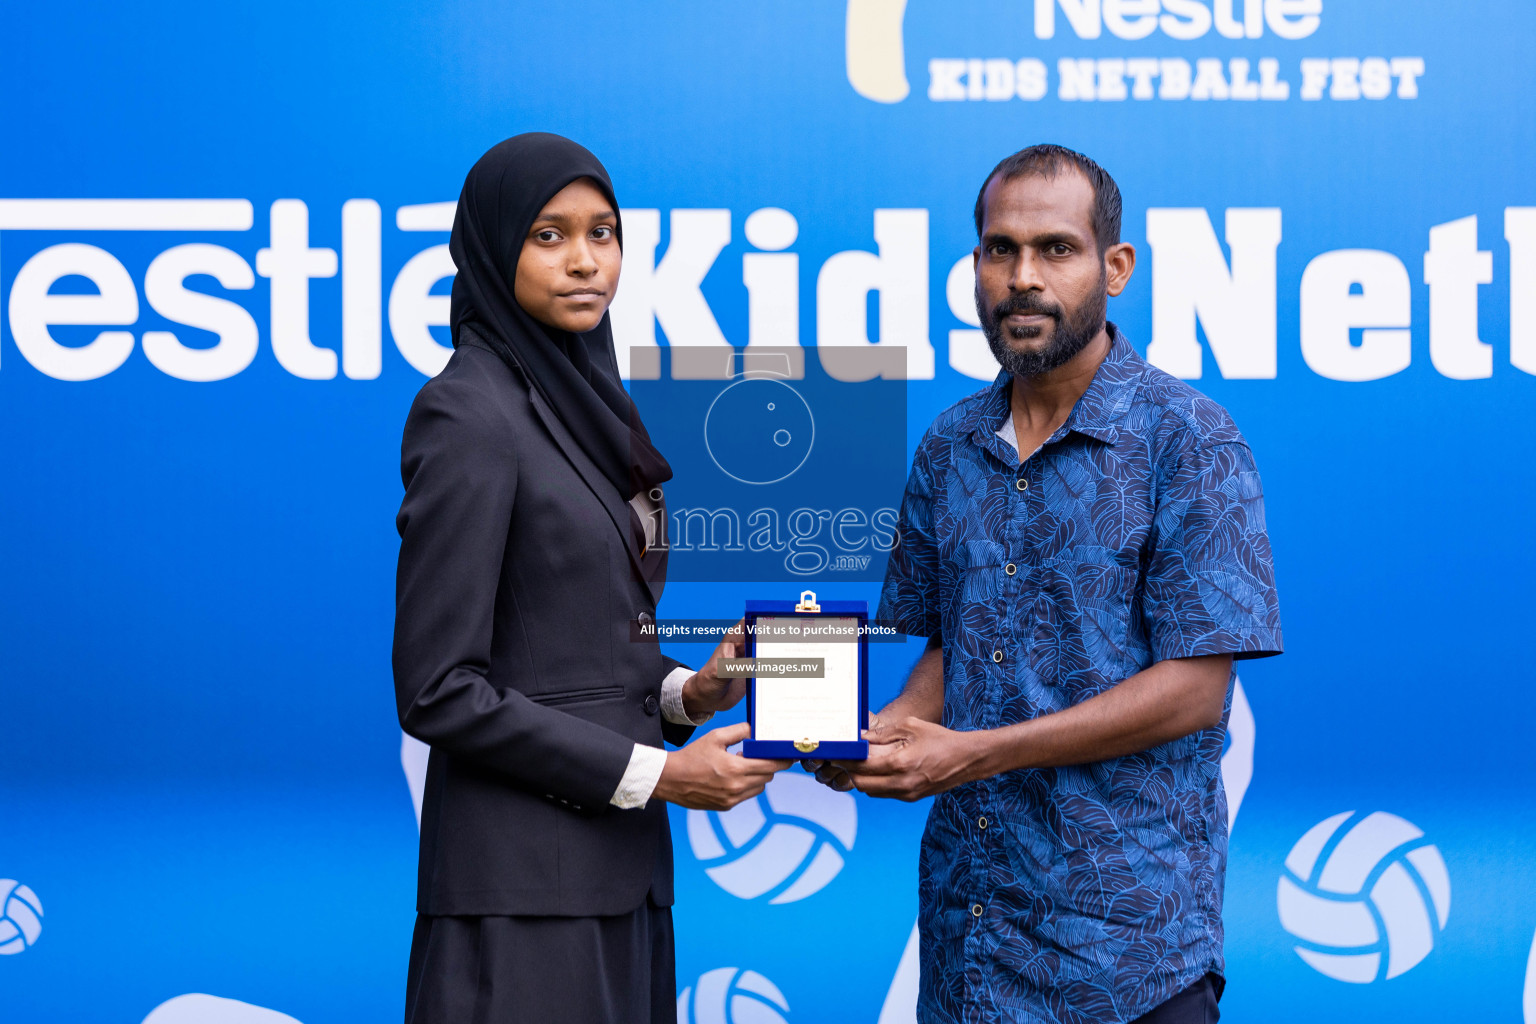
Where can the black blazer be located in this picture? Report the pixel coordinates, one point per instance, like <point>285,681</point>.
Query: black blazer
<point>513,657</point>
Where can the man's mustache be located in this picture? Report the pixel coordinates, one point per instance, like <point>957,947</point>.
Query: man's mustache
<point>1024,303</point>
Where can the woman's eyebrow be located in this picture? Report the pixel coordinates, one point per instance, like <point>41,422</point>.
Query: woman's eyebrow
<point>566,218</point>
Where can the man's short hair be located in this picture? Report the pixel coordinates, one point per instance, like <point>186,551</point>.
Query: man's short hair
<point>1048,161</point>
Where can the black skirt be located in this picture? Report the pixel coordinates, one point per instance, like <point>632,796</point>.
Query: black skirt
<point>508,970</point>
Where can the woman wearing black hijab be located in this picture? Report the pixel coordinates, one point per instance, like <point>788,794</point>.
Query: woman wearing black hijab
<point>527,548</point>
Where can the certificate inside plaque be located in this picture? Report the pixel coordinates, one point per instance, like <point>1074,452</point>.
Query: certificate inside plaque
<point>824,709</point>
<point>826,714</point>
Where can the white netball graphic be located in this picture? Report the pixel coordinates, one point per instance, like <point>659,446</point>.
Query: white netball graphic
<point>729,995</point>
<point>1237,758</point>
<point>1530,986</point>
<point>198,1008</point>
<point>414,755</point>
<point>21,917</point>
<point>784,845</point>
<point>1367,895</point>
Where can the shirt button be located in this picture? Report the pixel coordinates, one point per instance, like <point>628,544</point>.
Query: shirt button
<point>652,705</point>
<point>1010,568</point>
<point>1022,484</point>
<point>981,822</point>
<point>997,656</point>
<point>975,909</point>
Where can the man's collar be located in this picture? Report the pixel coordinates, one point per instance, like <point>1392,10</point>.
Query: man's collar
<point>1111,391</point>
<point>1096,413</point>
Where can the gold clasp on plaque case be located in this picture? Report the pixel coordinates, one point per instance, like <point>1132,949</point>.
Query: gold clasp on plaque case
<point>807,603</point>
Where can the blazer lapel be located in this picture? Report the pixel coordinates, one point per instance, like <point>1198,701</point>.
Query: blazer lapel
<point>617,508</point>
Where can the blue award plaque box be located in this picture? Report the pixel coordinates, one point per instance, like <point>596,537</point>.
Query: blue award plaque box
<point>799,710</point>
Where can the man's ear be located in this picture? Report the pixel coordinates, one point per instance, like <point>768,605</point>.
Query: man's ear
<point>1119,262</point>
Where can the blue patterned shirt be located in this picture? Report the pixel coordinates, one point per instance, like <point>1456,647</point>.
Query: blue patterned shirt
<point>1134,534</point>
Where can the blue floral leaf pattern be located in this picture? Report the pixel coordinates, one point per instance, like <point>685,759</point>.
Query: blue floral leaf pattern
<point>1140,537</point>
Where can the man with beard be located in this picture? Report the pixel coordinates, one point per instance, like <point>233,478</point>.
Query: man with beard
<point>1083,543</point>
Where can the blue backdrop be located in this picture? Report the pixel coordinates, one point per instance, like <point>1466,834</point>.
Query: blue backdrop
<point>203,784</point>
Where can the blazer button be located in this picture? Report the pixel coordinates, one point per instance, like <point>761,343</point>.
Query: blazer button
<point>652,705</point>
<point>645,619</point>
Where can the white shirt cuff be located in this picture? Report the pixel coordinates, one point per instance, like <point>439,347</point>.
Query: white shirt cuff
<point>672,698</point>
<point>640,778</point>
